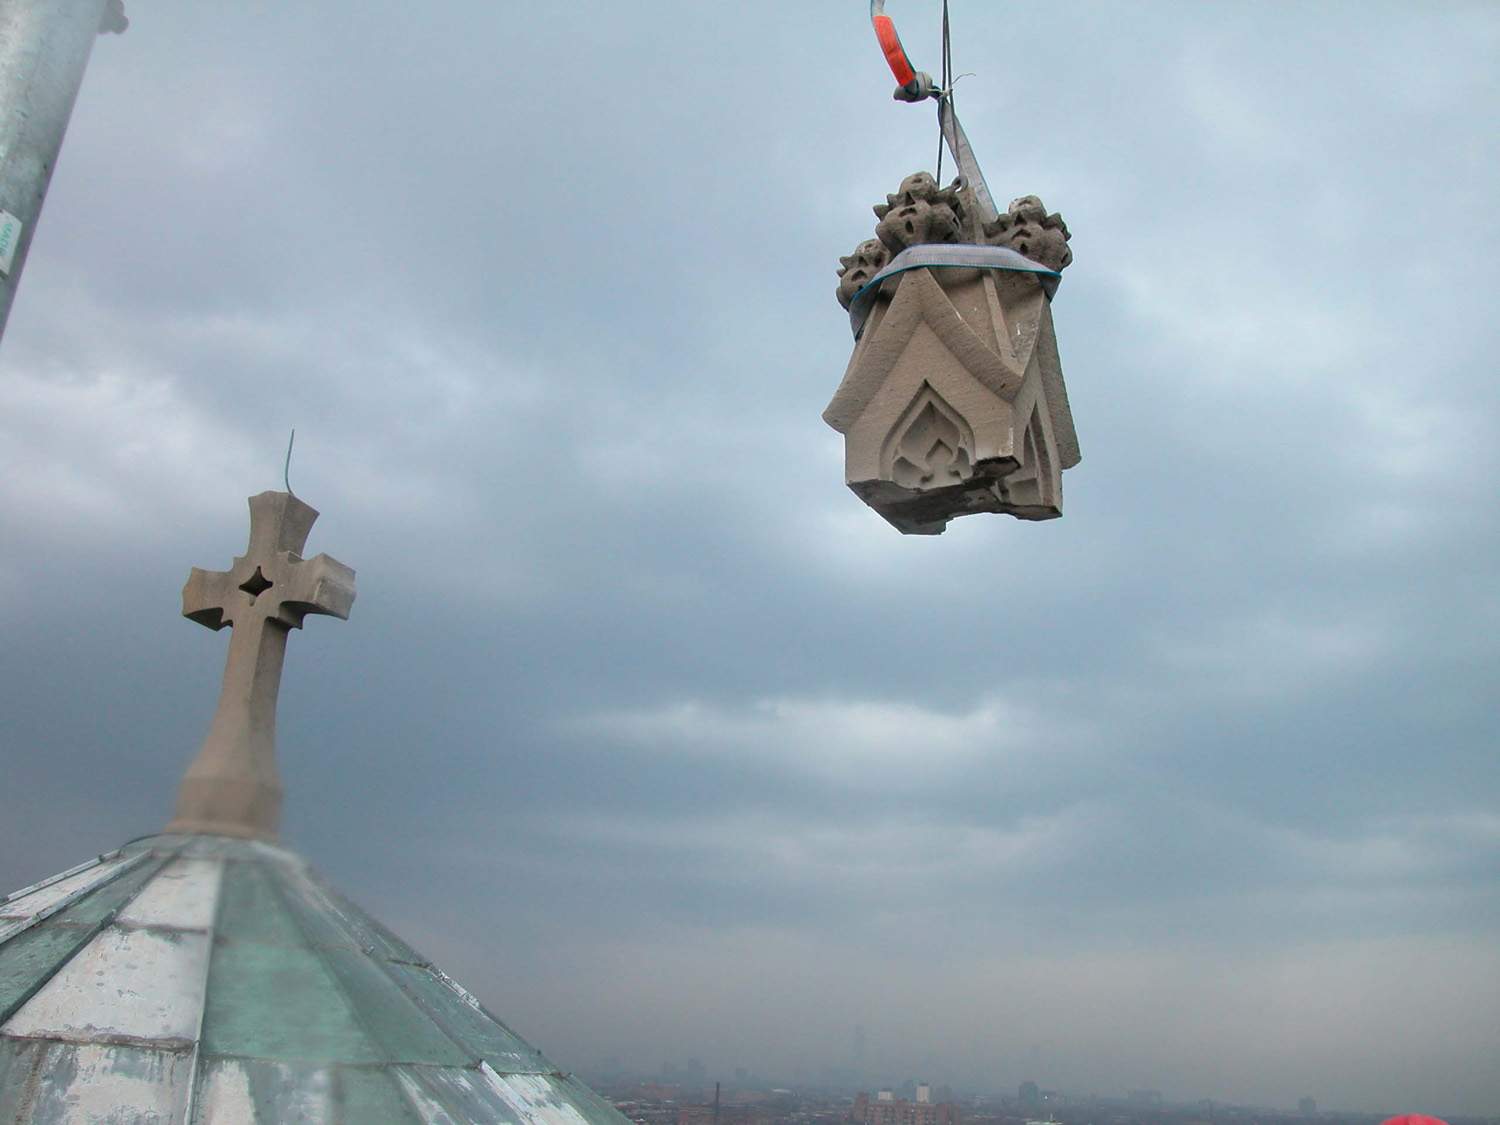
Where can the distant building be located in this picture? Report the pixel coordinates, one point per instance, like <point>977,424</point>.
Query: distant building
<point>726,1115</point>
<point>1307,1107</point>
<point>1030,1096</point>
<point>655,1092</point>
<point>887,1109</point>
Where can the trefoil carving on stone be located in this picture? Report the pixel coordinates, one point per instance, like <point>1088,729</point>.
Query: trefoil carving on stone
<point>931,445</point>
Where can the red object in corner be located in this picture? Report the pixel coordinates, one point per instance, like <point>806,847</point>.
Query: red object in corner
<point>1413,1119</point>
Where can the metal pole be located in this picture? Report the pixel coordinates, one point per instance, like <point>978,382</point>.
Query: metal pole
<point>44,49</point>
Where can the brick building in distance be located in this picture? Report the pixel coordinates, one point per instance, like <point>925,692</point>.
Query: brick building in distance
<point>885,1109</point>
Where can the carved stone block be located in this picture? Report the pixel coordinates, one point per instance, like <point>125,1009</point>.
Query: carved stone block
<point>953,401</point>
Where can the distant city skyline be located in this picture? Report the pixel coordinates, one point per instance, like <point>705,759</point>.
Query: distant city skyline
<point>889,1103</point>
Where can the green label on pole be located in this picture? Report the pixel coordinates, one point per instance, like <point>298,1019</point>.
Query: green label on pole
<point>10,235</point>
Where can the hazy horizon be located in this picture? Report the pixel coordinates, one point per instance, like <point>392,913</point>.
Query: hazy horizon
<point>643,727</point>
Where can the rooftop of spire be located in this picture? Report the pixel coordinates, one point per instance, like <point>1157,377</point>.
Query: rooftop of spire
<point>206,974</point>
<point>200,978</point>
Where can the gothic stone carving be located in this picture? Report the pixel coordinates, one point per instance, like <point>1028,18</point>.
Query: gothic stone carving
<point>920,211</point>
<point>868,259</point>
<point>1027,229</point>
<point>954,402</point>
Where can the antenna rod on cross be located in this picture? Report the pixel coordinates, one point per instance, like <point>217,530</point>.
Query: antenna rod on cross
<point>44,50</point>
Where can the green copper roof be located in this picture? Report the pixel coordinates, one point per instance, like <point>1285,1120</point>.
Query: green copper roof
<point>201,978</point>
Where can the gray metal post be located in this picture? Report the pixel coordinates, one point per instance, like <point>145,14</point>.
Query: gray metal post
<point>44,48</point>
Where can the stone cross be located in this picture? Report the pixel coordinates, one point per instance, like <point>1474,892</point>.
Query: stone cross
<point>232,787</point>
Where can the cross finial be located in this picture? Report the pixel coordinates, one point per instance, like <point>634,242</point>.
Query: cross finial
<point>232,787</point>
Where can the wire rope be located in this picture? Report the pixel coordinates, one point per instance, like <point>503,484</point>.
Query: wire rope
<point>945,89</point>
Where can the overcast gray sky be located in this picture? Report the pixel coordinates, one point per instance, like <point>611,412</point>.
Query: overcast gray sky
<point>643,726</point>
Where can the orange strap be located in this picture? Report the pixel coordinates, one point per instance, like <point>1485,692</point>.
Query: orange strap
<point>890,44</point>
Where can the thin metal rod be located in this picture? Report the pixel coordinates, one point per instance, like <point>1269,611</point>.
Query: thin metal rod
<point>944,89</point>
<point>286,470</point>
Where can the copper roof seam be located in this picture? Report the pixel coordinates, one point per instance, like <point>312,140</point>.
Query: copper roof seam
<point>90,932</point>
<point>162,928</point>
<point>337,1096</point>
<point>228,849</point>
<point>433,1090</point>
<point>354,918</point>
<point>320,946</point>
<point>58,924</point>
<point>335,908</point>
<point>336,1064</point>
<point>437,1020</point>
<point>67,900</point>
<point>173,1044</point>
<point>43,884</point>
<point>32,1085</point>
<point>350,999</point>
<point>190,1100</point>
<point>469,998</point>
<point>389,1065</point>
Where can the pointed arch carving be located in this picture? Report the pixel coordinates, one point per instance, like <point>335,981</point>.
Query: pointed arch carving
<point>930,446</point>
<point>1034,487</point>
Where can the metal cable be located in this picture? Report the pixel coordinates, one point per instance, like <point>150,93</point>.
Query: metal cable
<point>944,89</point>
